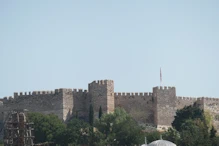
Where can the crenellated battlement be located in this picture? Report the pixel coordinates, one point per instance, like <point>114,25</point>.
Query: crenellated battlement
<point>163,87</point>
<point>62,90</point>
<point>41,92</point>
<point>102,82</point>
<point>34,93</point>
<point>197,98</point>
<point>157,107</point>
<point>209,98</point>
<point>8,98</point>
<point>80,91</point>
<point>186,98</point>
<point>136,94</point>
<point>16,94</point>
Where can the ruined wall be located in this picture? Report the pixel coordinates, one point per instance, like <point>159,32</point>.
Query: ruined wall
<point>165,106</point>
<point>102,94</point>
<point>138,105</point>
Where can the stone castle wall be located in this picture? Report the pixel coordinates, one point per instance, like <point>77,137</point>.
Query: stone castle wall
<point>212,105</point>
<point>157,108</point>
<point>184,101</point>
<point>138,105</point>
<point>81,103</point>
<point>37,101</point>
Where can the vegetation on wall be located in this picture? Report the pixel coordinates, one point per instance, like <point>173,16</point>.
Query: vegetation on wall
<point>100,112</point>
<point>116,128</point>
<point>119,128</point>
<point>47,128</point>
<point>194,128</point>
<point>190,128</point>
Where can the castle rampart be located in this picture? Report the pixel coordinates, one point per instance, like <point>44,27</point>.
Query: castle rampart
<point>81,103</point>
<point>157,107</point>
<point>211,105</point>
<point>138,105</point>
<point>184,101</point>
<point>38,101</point>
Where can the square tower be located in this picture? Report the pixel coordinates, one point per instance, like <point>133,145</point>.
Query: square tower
<point>164,106</point>
<point>102,94</point>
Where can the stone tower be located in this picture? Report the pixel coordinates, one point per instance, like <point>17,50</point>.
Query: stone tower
<point>165,106</point>
<point>68,103</point>
<point>102,94</point>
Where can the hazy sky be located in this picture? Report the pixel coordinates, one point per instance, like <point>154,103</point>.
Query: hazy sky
<point>49,44</point>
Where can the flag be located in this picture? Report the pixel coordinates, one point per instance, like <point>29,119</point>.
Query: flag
<point>160,76</point>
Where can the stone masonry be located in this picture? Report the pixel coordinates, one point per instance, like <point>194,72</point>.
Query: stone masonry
<point>156,108</point>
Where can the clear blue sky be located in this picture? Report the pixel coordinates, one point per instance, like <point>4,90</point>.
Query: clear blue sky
<point>52,44</point>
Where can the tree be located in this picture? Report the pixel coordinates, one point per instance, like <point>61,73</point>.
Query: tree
<point>215,141</point>
<point>98,139</point>
<point>192,124</point>
<point>213,132</point>
<point>119,128</point>
<point>194,133</point>
<point>100,112</point>
<point>47,128</point>
<point>188,112</point>
<point>172,135</point>
<point>91,122</point>
<point>128,132</point>
<point>151,136</point>
<point>208,119</point>
<point>77,132</point>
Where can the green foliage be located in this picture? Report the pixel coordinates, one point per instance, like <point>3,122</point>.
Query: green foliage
<point>100,112</point>
<point>127,132</point>
<point>188,112</point>
<point>119,128</point>
<point>77,132</point>
<point>208,118</point>
<point>47,128</point>
<point>91,128</point>
<point>193,126</point>
<point>151,136</point>
<point>98,139</point>
<point>215,141</point>
<point>213,132</point>
<point>194,133</point>
<point>172,135</point>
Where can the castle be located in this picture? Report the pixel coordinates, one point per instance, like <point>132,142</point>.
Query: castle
<point>157,108</point>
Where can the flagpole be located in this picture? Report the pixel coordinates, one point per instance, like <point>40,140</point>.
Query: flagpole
<point>160,77</point>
